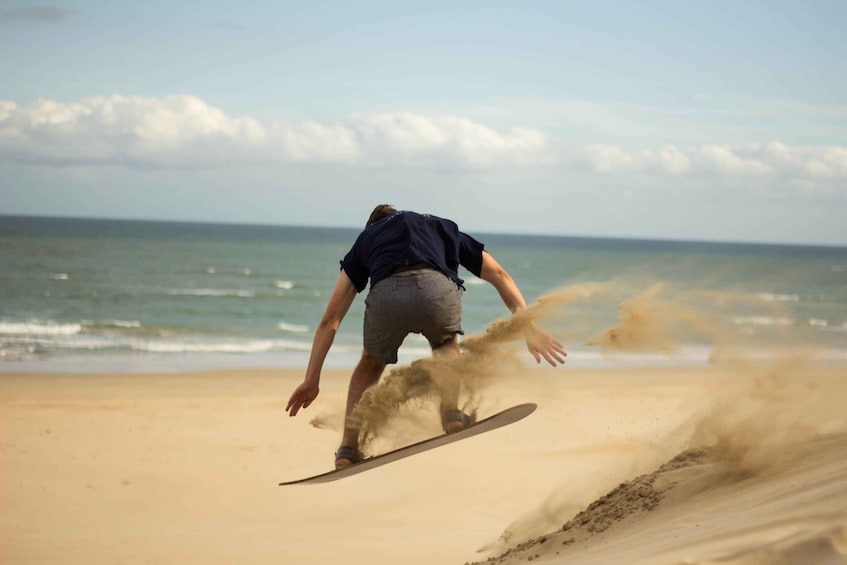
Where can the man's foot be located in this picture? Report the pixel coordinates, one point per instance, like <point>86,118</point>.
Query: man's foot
<point>453,421</point>
<point>346,456</point>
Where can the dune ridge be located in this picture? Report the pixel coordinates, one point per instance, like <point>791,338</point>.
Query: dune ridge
<point>695,495</point>
<point>759,428</point>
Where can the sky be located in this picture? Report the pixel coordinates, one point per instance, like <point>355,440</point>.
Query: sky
<point>699,120</point>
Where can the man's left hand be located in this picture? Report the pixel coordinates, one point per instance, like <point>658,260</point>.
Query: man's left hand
<point>542,344</point>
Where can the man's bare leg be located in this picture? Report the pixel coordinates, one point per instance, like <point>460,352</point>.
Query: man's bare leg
<point>451,386</point>
<point>365,375</point>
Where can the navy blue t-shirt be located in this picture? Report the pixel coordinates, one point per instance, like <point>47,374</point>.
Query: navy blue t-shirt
<point>407,238</point>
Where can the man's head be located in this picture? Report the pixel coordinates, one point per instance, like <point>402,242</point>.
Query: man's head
<point>380,212</point>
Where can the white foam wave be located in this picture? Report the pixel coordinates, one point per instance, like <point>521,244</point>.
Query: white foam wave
<point>124,324</point>
<point>60,277</point>
<point>32,330</point>
<point>762,321</point>
<point>44,342</point>
<point>765,321</point>
<point>295,328</point>
<point>16,352</point>
<point>284,285</point>
<point>247,346</point>
<point>35,328</point>
<point>685,355</point>
<point>213,292</point>
<point>474,281</point>
<point>20,345</point>
<point>412,352</point>
<point>770,297</point>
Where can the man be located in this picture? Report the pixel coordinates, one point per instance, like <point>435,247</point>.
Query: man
<point>412,262</point>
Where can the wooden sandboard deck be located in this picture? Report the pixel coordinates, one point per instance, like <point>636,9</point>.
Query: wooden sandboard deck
<point>504,418</point>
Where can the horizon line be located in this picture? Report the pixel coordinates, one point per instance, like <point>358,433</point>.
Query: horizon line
<point>243,223</point>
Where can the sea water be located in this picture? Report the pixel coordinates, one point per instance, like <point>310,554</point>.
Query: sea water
<point>107,295</point>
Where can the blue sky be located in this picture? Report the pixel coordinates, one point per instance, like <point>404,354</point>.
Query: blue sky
<point>685,120</point>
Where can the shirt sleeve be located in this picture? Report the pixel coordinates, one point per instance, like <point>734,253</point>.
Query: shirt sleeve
<point>355,269</point>
<point>470,253</point>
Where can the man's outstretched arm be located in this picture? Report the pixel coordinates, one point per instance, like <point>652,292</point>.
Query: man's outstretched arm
<point>539,342</point>
<point>337,307</point>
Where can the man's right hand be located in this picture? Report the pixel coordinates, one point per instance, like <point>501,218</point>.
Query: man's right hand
<point>302,397</point>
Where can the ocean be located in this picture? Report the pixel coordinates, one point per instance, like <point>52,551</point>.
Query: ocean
<point>84,295</point>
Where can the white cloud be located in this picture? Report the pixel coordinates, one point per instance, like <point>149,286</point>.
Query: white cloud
<point>124,130</point>
<point>183,130</point>
<point>822,162</point>
<point>725,159</point>
<point>448,139</point>
<point>611,158</point>
<point>312,141</point>
<point>773,160</point>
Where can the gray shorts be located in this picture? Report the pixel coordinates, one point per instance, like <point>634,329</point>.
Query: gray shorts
<point>422,301</point>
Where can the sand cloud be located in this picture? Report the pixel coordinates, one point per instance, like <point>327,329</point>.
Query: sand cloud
<point>184,130</point>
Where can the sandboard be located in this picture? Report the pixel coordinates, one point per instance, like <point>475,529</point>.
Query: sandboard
<point>504,418</point>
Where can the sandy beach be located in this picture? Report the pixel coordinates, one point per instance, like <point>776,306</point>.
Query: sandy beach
<point>183,468</point>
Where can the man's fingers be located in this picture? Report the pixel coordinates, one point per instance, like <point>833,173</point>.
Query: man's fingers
<point>301,398</point>
<point>292,409</point>
<point>555,356</point>
<point>295,404</point>
<point>548,348</point>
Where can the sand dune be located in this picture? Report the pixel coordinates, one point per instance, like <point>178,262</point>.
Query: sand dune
<point>764,480</point>
<point>699,509</point>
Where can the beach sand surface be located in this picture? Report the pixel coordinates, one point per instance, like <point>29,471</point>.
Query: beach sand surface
<point>184,468</point>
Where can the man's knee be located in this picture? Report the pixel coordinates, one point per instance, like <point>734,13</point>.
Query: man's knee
<point>449,346</point>
<point>370,364</point>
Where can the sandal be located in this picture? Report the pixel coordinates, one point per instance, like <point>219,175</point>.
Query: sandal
<point>451,417</point>
<point>346,453</point>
